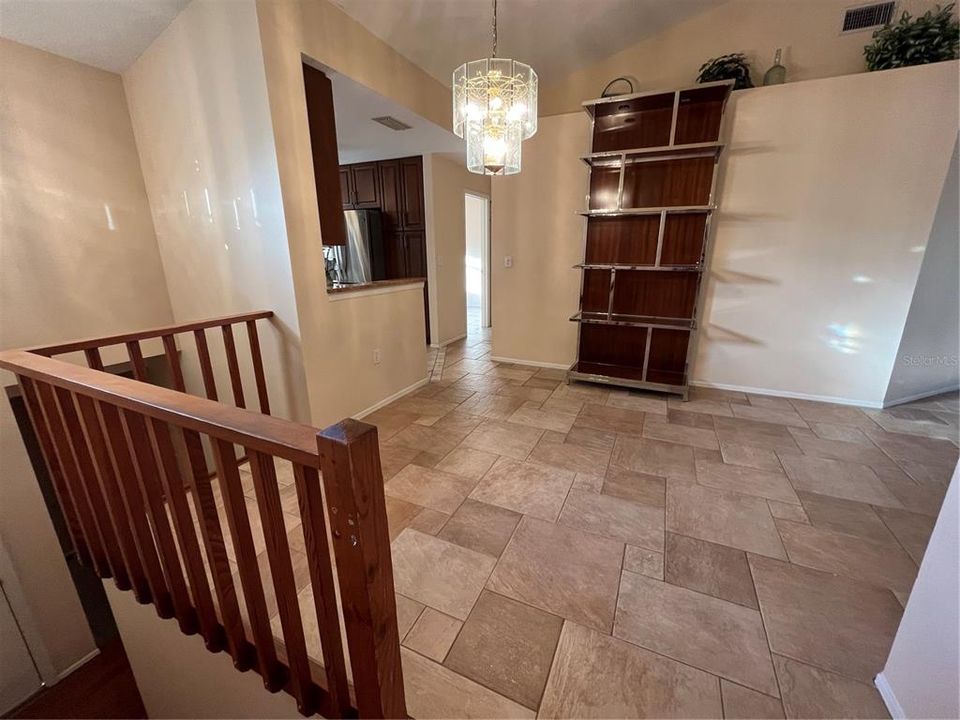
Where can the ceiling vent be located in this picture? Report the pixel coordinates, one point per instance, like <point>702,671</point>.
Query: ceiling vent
<point>864,17</point>
<point>391,122</point>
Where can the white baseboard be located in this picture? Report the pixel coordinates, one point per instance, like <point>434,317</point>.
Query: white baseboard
<point>531,363</point>
<point>77,665</point>
<point>788,394</point>
<point>396,396</point>
<point>889,699</point>
<point>920,396</point>
<point>451,341</point>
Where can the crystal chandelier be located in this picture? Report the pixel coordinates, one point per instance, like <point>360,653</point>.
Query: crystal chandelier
<point>494,108</point>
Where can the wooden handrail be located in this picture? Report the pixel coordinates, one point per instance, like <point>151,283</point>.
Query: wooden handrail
<point>126,461</point>
<point>122,338</point>
<point>263,433</point>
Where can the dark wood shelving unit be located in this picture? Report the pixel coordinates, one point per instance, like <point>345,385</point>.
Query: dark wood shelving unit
<point>653,169</point>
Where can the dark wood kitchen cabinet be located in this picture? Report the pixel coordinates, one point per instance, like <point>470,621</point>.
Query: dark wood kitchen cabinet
<point>411,193</point>
<point>390,194</point>
<point>396,187</point>
<point>359,186</point>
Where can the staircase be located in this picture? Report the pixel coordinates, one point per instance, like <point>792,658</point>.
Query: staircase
<point>131,465</point>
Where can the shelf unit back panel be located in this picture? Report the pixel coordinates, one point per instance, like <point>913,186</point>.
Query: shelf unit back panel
<point>625,240</point>
<point>684,181</point>
<point>595,295</point>
<point>667,363</point>
<point>613,345</point>
<point>699,115</point>
<point>684,236</point>
<point>660,183</point>
<point>656,294</point>
<point>619,352</point>
<point>632,240</point>
<point>652,294</point>
<point>636,123</point>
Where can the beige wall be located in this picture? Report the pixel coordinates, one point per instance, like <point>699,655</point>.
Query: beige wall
<point>199,106</point>
<point>827,201</point>
<point>78,257</point>
<point>445,182</point>
<point>927,357</point>
<point>323,32</point>
<point>179,678</point>
<point>534,220</point>
<point>808,31</point>
<point>826,206</point>
<point>921,678</point>
<point>338,337</point>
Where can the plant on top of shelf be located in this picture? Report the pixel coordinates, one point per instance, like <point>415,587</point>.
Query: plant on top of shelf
<point>932,37</point>
<point>727,67</point>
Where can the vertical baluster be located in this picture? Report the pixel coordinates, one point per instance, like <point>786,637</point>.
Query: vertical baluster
<point>81,458</point>
<point>353,480</point>
<point>246,559</point>
<point>312,513</point>
<point>126,474</point>
<point>109,486</point>
<point>281,569</point>
<point>94,361</point>
<point>191,439</point>
<point>233,364</point>
<point>257,359</point>
<point>206,369</point>
<point>64,498</point>
<point>68,467</point>
<point>136,360</point>
<point>173,359</point>
<point>211,533</point>
<point>195,456</point>
<point>147,477</point>
<point>173,488</point>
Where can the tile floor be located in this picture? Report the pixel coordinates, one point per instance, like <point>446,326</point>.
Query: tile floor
<point>581,551</point>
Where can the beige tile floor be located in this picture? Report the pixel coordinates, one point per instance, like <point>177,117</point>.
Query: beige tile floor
<point>581,551</point>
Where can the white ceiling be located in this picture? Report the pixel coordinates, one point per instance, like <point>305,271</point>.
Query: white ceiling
<point>108,34</point>
<point>555,37</point>
<point>360,139</point>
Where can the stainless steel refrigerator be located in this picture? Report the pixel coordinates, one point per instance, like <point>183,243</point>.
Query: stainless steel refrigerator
<point>361,260</point>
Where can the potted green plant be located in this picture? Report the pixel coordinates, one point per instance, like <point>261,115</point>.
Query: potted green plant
<point>727,67</point>
<point>932,37</point>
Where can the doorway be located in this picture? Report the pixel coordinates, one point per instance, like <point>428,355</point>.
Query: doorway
<point>477,259</point>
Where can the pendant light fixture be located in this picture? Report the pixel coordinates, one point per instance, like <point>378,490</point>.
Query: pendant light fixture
<point>494,108</point>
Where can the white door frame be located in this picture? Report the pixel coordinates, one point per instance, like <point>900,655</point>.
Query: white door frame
<point>484,258</point>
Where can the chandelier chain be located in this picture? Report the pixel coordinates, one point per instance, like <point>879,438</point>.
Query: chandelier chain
<point>494,28</point>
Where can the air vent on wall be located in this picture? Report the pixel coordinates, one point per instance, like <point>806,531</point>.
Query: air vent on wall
<point>864,17</point>
<point>391,122</point>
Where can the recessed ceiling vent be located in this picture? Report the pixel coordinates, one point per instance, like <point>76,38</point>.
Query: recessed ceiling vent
<point>864,17</point>
<point>391,122</point>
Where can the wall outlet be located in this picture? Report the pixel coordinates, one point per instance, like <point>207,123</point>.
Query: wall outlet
<point>377,356</point>
<point>508,261</point>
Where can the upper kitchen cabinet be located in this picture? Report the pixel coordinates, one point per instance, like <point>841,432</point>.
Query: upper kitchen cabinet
<point>366,191</point>
<point>394,186</point>
<point>411,193</point>
<point>359,186</point>
<point>346,194</point>
<point>389,171</point>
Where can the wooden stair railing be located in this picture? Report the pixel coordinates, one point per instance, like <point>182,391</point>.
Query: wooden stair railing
<point>135,500</point>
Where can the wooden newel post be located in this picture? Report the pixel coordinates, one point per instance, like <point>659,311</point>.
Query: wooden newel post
<point>353,482</point>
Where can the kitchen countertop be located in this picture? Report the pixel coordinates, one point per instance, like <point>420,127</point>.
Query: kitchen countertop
<point>375,285</point>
